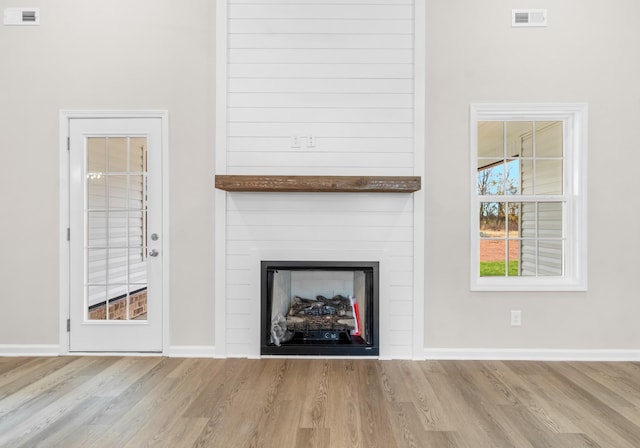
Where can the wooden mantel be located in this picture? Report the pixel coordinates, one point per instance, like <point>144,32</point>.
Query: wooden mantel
<point>331,184</point>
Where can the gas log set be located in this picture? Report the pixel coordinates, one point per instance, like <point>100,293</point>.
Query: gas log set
<point>344,323</point>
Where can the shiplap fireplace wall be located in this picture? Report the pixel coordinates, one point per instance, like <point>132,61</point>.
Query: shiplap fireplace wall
<point>332,87</point>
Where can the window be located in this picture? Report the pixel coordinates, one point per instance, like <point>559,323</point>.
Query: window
<point>528,198</point>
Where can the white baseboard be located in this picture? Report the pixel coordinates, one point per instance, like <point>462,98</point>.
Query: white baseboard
<point>192,351</point>
<point>29,350</point>
<point>178,351</point>
<point>531,354</point>
<point>462,354</point>
<point>120,354</point>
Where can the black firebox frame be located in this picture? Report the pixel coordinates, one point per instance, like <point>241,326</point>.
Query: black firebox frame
<point>365,345</point>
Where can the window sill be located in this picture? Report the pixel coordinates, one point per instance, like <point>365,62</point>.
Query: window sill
<point>528,284</point>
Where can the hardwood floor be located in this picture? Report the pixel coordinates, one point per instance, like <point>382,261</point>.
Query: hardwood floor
<point>135,402</point>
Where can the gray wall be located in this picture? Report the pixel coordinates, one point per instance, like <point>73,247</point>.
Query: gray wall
<point>151,54</point>
<point>586,54</point>
<point>143,54</point>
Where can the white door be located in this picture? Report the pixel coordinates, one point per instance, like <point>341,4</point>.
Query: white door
<point>115,189</point>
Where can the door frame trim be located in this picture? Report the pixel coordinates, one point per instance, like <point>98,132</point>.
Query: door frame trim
<point>65,117</point>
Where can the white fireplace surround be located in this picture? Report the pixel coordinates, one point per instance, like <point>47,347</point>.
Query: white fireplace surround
<point>330,90</point>
<point>238,278</point>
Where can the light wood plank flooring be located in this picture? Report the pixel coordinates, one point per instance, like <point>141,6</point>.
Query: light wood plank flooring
<point>137,402</point>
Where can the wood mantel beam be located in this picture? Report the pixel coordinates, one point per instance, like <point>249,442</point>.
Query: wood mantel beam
<point>331,184</point>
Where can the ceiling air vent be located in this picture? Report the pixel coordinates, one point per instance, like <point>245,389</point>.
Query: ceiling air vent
<point>22,16</point>
<point>528,17</point>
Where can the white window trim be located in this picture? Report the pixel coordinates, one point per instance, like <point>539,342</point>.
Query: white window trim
<point>575,118</point>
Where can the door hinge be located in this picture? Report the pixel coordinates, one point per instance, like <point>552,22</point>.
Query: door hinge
<point>68,325</point>
<point>68,143</point>
<point>68,233</point>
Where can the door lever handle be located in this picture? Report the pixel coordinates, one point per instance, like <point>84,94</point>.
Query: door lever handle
<point>153,253</point>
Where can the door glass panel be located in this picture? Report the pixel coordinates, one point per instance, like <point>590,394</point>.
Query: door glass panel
<point>96,297</point>
<point>138,155</point>
<point>97,154</point>
<point>97,191</point>
<point>116,211</point>
<point>118,191</point>
<point>97,228</point>
<point>117,150</point>
<point>97,260</point>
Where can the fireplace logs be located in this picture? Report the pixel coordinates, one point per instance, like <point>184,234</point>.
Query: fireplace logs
<point>321,313</point>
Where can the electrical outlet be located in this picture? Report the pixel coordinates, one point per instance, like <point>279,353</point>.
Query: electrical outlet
<point>311,141</point>
<point>295,141</point>
<point>516,318</point>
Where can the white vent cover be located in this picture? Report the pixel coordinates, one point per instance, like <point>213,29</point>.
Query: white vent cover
<point>22,16</point>
<point>528,17</point>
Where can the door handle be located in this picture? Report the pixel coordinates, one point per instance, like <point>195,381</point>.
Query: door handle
<point>153,253</point>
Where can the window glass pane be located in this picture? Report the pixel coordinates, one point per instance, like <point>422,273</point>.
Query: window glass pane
<point>513,244</point>
<point>492,258</point>
<point>491,139</point>
<point>527,145</point>
<point>549,139</point>
<point>513,252</point>
<point>528,257</point>
<point>542,251</point>
<point>550,220</point>
<point>512,177</point>
<point>550,257</point>
<point>548,179</point>
<point>529,243</point>
<point>519,138</point>
<point>528,224</point>
<point>526,176</point>
<point>491,181</point>
<point>492,220</point>
<point>117,150</point>
<point>513,210</point>
<point>488,163</point>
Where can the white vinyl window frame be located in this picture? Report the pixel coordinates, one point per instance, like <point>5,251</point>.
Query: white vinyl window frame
<point>574,197</point>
